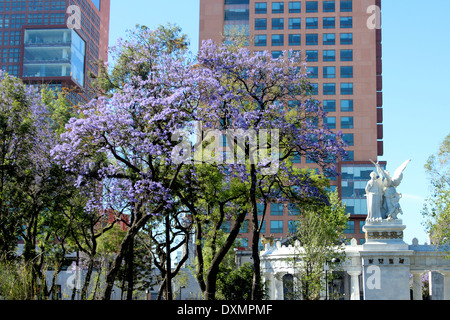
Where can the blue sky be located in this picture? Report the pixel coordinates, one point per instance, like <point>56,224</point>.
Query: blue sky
<point>416,81</point>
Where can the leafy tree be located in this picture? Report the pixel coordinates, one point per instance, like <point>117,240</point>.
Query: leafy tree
<point>214,203</point>
<point>125,141</point>
<point>437,207</point>
<point>252,92</point>
<point>237,284</point>
<point>320,236</point>
<point>35,191</point>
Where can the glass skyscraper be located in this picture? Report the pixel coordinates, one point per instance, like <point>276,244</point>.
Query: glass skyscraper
<point>57,43</point>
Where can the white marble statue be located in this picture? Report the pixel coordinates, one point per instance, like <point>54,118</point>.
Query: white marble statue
<point>383,200</point>
<point>374,194</point>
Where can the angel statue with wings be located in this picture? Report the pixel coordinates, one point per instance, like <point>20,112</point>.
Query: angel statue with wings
<point>389,204</point>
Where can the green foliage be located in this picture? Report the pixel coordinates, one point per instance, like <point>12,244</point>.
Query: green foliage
<point>18,130</point>
<point>436,210</point>
<point>60,109</point>
<point>236,284</point>
<point>15,280</point>
<point>320,233</point>
<point>168,37</point>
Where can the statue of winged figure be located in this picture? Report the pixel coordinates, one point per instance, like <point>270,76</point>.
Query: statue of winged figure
<point>390,204</point>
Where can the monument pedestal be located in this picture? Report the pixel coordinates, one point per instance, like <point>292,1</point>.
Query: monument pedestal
<point>385,234</point>
<point>386,261</point>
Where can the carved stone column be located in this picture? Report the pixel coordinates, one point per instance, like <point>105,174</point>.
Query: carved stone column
<point>446,285</point>
<point>278,286</point>
<point>354,285</point>
<point>417,285</point>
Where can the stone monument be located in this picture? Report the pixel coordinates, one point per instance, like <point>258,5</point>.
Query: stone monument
<point>385,256</point>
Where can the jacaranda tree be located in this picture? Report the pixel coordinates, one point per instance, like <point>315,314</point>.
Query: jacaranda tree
<point>125,140</point>
<point>129,140</point>
<point>268,102</point>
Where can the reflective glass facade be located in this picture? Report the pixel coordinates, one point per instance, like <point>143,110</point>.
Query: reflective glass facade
<point>54,53</point>
<point>353,184</point>
<point>237,18</point>
<point>96,3</point>
<point>57,63</point>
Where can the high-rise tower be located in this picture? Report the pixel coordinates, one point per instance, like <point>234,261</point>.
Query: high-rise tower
<point>341,42</point>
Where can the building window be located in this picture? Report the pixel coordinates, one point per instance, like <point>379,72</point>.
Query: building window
<point>346,72</point>
<point>346,105</point>
<point>346,55</point>
<point>295,23</point>
<point>313,72</point>
<point>346,88</point>
<point>293,104</point>
<point>236,14</point>
<point>329,55</point>
<point>261,7</point>
<point>361,225</point>
<point>329,72</point>
<point>260,24</point>
<point>346,22</point>
<point>346,122</point>
<point>277,40</point>
<point>277,7</point>
<point>260,208</point>
<point>329,39</point>
<point>293,226</point>
<point>13,70</point>
<point>346,38</point>
<point>312,39</point>
<point>346,6</point>
<point>329,6</point>
<point>263,226</point>
<point>314,89</point>
<point>293,210</point>
<point>312,23</point>
<point>260,40</point>
<point>226,226</point>
<point>276,54</point>
<point>350,227</point>
<point>330,122</point>
<point>276,226</point>
<point>349,139</point>
<point>277,23</point>
<point>329,105</point>
<point>350,156</point>
<point>295,39</point>
<point>242,242</point>
<point>293,53</point>
<point>276,209</point>
<point>97,4</point>
<point>297,159</point>
<point>312,6</point>
<point>244,227</point>
<point>329,88</point>
<point>295,7</point>
<point>312,55</point>
<point>329,23</point>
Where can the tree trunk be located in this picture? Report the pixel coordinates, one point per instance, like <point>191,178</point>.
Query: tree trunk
<point>256,285</point>
<point>111,277</point>
<point>169,294</point>
<point>130,270</point>
<point>211,277</point>
<point>87,280</point>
